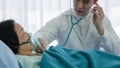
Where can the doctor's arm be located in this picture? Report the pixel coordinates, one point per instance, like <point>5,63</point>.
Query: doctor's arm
<point>111,39</point>
<point>48,33</point>
<point>98,16</point>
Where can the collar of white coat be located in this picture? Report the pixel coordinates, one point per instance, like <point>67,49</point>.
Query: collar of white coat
<point>72,12</point>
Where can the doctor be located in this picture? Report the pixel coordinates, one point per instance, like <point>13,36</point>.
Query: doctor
<point>94,31</point>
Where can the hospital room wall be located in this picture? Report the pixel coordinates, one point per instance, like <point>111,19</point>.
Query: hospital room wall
<point>112,11</point>
<point>32,13</point>
<point>35,13</point>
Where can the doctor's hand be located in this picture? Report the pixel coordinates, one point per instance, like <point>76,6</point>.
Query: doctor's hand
<point>98,16</point>
<point>42,42</point>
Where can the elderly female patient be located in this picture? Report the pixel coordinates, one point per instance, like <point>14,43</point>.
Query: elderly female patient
<point>20,42</point>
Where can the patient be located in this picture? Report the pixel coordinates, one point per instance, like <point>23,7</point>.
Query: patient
<point>20,42</point>
<point>26,47</point>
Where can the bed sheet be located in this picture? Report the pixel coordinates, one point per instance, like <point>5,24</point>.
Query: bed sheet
<point>29,61</point>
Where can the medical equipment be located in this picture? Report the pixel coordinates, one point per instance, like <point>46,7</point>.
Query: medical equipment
<point>35,43</point>
<point>73,23</point>
<point>91,9</point>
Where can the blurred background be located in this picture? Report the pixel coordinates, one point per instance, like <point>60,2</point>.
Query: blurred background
<point>33,14</point>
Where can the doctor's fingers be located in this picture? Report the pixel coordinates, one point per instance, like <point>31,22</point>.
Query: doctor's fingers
<point>43,44</point>
<point>98,9</point>
<point>98,13</point>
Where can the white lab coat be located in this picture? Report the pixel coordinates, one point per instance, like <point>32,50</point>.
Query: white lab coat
<point>84,35</point>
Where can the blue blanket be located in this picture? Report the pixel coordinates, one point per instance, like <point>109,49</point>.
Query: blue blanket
<point>60,57</point>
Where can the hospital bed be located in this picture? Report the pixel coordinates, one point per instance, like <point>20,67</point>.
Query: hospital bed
<point>59,57</point>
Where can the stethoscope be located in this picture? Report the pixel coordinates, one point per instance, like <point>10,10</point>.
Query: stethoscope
<point>73,23</point>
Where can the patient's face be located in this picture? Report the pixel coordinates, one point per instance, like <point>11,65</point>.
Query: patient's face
<point>22,36</point>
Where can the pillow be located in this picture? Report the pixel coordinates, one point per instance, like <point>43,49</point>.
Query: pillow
<point>7,57</point>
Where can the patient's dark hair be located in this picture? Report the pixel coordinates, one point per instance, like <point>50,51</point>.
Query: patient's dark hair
<point>8,35</point>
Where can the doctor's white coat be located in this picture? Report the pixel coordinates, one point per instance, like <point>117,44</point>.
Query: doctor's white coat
<point>84,34</point>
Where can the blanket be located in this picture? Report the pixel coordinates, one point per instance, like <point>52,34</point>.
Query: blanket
<point>60,57</point>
